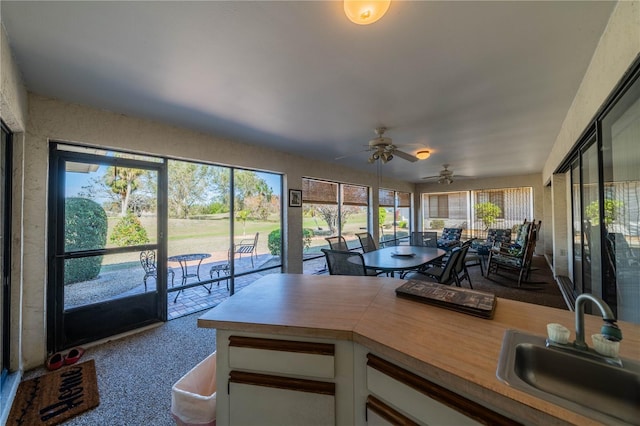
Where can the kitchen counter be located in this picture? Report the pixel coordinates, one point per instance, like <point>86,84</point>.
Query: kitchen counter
<point>453,349</point>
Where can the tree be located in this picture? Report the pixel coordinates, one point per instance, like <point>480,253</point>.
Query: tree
<point>189,184</point>
<point>242,216</point>
<point>123,181</point>
<point>329,213</point>
<point>129,232</point>
<point>488,213</point>
<point>382,215</point>
<point>611,211</point>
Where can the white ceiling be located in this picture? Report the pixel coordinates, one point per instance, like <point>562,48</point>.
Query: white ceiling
<point>484,85</point>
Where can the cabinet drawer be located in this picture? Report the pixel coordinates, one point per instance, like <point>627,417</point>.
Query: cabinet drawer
<point>260,399</point>
<point>282,356</point>
<point>425,400</point>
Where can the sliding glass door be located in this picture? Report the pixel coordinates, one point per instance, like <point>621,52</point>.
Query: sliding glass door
<point>5,240</point>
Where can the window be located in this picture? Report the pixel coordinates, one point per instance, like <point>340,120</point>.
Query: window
<point>394,216</point>
<point>5,226</point>
<point>439,206</point>
<point>331,209</point>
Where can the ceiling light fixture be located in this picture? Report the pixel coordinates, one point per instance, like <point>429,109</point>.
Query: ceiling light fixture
<point>423,155</point>
<point>365,12</point>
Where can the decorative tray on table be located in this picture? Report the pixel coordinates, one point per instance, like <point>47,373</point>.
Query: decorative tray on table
<point>478,303</point>
<point>402,251</point>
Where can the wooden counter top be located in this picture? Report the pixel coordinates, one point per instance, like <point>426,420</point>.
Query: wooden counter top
<point>448,347</point>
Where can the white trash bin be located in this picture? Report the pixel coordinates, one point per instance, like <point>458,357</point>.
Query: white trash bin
<point>193,397</point>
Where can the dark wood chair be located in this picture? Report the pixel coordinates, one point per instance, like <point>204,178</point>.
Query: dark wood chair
<point>248,246</point>
<point>346,263</point>
<point>516,256</point>
<point>366,241</point>
<point>148,262</point>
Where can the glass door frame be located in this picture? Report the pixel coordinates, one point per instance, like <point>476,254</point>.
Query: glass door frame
<point>5,246</point>
<point>67,328</point>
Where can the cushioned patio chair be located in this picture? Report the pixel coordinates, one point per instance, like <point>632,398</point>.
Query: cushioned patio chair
<point>516,256</point>
<point>450,238</point>
<point>494,236</point>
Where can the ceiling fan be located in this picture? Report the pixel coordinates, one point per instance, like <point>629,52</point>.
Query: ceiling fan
<point>382,148</point>
<point>445,176</point>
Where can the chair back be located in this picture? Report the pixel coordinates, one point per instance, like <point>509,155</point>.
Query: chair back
<point>449,271</point>
<point>345,262</point>
<point>337,243</point>
<point>495,235</point>
<point>148,261</point>
<point>366,241</point>
<point>460,263</point>
<point>424,239</point>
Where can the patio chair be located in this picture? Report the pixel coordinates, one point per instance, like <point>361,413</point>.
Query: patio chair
<point>247,246</point>
<point>445,274</point>
<point>518,255</point>
<point>367,242</point>
<point>148,262</point>
<point>337,243</point>
<point>424,239</point>
<point>346,263</point>
<point>461,271</point>
<point>494,236</point>
<point>450,238</point>
<point>224,267</point>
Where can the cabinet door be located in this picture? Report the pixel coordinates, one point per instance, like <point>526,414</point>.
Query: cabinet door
<point>424,400</point>
<point>380,414</point>
<point>261,399</point>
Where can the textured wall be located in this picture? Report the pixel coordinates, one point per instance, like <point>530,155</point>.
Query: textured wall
<point>619,46</point>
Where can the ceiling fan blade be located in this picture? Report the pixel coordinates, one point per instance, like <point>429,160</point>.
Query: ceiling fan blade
<point>405,156</point>
<point>430,177</point>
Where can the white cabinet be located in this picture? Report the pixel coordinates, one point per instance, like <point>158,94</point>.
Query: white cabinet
<point>279,380</point>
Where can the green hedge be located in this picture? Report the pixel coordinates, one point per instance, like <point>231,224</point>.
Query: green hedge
<point>85,229</point>
<point>275,237</point>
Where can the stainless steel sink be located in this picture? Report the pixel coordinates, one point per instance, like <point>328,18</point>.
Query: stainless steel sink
<point>587,386</point>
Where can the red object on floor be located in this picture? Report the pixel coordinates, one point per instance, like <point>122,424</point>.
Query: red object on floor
<point>73,356</point>
<point>55,361</point>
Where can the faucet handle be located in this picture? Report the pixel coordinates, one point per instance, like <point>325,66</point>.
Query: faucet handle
<point>611,331</point>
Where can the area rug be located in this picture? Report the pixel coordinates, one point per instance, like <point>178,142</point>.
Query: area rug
<point>541,288</point>
<point>55,397</point>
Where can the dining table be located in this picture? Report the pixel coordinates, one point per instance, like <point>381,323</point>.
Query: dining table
<point>401,258</point>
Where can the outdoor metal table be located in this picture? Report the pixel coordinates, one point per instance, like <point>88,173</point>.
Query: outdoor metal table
<point>401,258</point>
<point>182,259</point>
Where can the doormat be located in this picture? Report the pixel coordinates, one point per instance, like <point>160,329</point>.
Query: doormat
<point>57,396</point>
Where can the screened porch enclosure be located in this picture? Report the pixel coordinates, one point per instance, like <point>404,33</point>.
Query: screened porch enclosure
<point>477,211</point>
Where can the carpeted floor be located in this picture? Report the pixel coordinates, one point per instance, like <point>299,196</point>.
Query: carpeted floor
<point>541,289</point>
<point>136,373</point>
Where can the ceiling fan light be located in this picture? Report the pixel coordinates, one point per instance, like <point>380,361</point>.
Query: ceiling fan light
<point>423,155</point>
<point>365,12</point>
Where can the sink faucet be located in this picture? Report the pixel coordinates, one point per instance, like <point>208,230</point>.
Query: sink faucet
<point>609,329</point>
